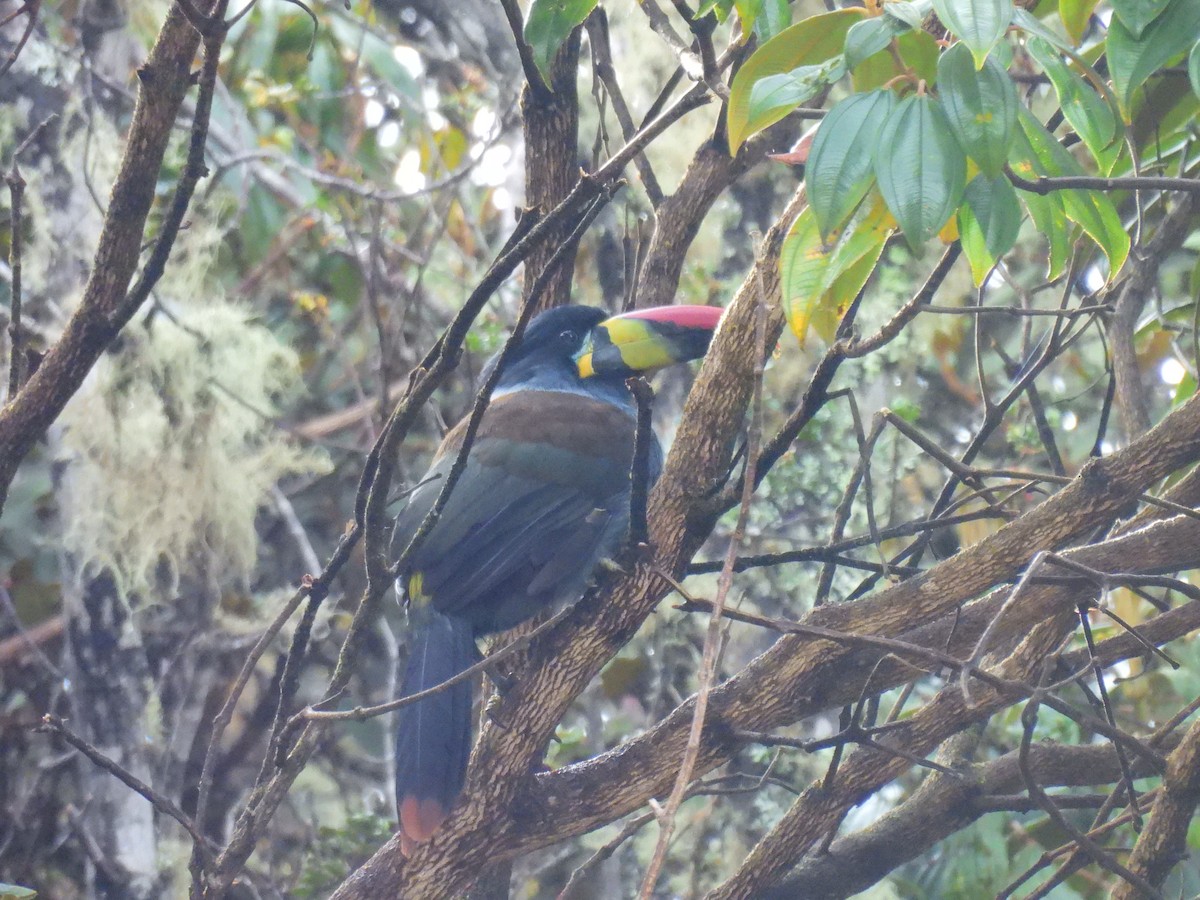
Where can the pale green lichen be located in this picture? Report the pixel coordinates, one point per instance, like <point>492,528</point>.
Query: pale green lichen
<point>171,448</point>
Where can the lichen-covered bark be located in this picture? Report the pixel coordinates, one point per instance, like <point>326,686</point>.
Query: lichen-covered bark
<point>165,79</point>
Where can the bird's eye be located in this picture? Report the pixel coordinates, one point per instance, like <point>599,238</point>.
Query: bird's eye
<point>568,336</point>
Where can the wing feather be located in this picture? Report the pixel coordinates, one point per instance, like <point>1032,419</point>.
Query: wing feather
<point>536,507</point>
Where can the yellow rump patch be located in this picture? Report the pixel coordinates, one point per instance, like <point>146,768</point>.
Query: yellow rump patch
<point>416,589</point>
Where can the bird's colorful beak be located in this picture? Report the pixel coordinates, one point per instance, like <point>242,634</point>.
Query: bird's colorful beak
<point>647,339</point>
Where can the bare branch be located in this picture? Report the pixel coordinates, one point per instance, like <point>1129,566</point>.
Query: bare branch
<point>55,725</point>
<point>1045,184</point>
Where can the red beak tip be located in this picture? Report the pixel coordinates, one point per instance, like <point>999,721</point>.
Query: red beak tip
<point>705,317</point>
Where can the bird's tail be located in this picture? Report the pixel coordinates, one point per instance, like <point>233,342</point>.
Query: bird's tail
<point>433,738</point>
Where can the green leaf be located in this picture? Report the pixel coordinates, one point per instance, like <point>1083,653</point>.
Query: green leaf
<point>766,17</point>
<point>871,225</point>
<point>16,892</point>
<point>1091,117</point>
<point>548,24</point>
<point>1131,60</point>
<point>839,171</point>
<point>844,289</point>
<point>911,14</point>
<point>981,105</point>
<point>775,96</point>
<point>1137,14</point>
<point>1185,390</point>
<point>876,71</point>
<point>721,8</point>
<point>818,279</point>
<point>1075,15</point>
<point>1194,68</point>
<point>1030,24</point>
<point>815,40</point>
<point>1092,210</point>
<point>1047,211</point>
<point>919,51</point>
<point>980,23</point>
<point>1095,213</point>
<point>988,223</point>
<point>920,167</point>
<point>868,37</point>
<point>1050,219</point>
<point>803,259</point>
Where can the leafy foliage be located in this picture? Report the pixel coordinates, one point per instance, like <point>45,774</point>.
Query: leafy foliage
<point>1155,36</point>
<point>336,852</point>
<point>920,166</point>
<point>981,108</point>
<point>548,24</point>
<point>814,42</point>
<point>839,171</point>
<point>362,177</point>
<point>970,106</point>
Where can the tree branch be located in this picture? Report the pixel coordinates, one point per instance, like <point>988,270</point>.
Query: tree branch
<point>1137,289</point>
<point>164,81</point>
<point>1044,184</point>
<point>1163,842</point>
<point>940,807</point>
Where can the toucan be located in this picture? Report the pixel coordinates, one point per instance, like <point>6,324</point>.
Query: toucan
<point>543,499</point>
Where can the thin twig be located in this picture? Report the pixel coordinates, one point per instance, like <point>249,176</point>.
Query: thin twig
<point>537,85</point>
<point>31,7</point>
<point>816,394</point>
<point>821,554</point>
<point>295,528</point>
<point>16,189</point>
<point>1098,854</point>
<point>360,713</point>
<point>639,488</point>
<point>692,66</point>
<point>1106,707</point>
<point>1016,312</point>
<point>1098,830</point>
<point>597,26</point>
<point>712,639</point>
<point>10,609</point>
<point>193,170</point>
<point>225,716</point>
<point>1045,185</point>
<point>708,787</point>
<point>860,476</point>
<point>16,367</point>
<point>55,725</point>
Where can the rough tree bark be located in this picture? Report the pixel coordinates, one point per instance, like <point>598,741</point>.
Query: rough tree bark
<point>506,814</point>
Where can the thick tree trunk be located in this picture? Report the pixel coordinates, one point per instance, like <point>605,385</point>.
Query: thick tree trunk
<point>111,690</point>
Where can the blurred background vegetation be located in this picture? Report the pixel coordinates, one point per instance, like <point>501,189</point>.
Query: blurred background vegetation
<point>365,168</point>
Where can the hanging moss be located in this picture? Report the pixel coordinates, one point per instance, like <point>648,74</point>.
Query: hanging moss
<point>171,448</point>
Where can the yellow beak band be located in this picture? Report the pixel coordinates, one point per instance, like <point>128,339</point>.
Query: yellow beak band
<point>624,343</point>
<point>646,340</point>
